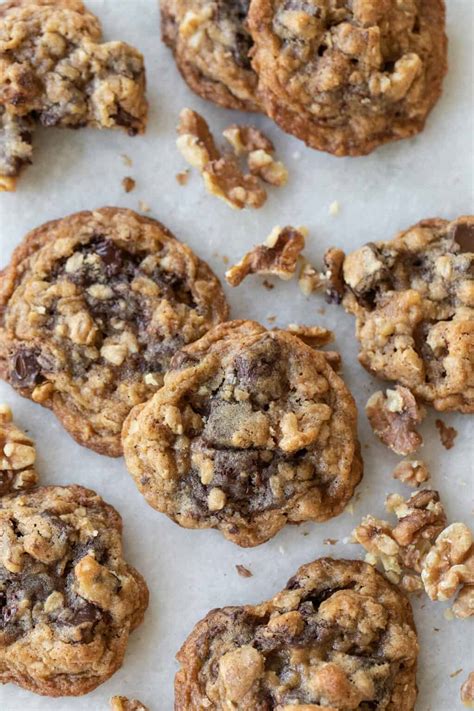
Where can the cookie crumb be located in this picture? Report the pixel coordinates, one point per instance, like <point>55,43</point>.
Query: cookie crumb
<point>268,285</point>
<point>126,160</point>
<point>144,206</point>
<point>330,541</point>
<point>128,184</point>
<point>447,434</point>
<point>456,673</point>
<point>271,318</point>
<point>277,256</point>
<point>243,571</point>
<point>182,177</point>
<point>393,418</point>
<point>334,208</point>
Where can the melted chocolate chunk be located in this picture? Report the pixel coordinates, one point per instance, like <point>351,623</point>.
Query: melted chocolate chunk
<point>111,255</point>
<point>463,234</point>
<point>236,12</point>
<point>25,368</point>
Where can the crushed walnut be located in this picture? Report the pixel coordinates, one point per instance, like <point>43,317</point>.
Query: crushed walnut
<point>449,565</point>
<point>310,279</point>
<point>330,279</point>
<point>447,434</point>
<point>278,256</point>
<point>243,571</point>
<point>121,703</point>
<point>128,184</point>
<point>401,549</point>
<point>17,456</point>
<point>411,472</point>
<point>393,417</point>
<point>467,691</point>
<point>221,172</point>
<point>249,141</point>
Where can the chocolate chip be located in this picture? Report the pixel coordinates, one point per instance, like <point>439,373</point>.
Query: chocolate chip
<point>111,255</point>
<point>25,369</point>
<point>463,234</point>
<point>123,118</point>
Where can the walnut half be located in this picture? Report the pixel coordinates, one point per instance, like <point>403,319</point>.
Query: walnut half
<point>394,417</point>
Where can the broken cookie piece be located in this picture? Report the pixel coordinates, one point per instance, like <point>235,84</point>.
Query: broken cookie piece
<point>17,456</point>
<point>337,637</point>
<point>394,417</point>
<point>278,256</point>
<point>411,472</point>
<point>221,172</point>
<point>56,72</point>
<point>250,142</point>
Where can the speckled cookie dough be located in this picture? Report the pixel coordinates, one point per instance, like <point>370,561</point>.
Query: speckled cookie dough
<point>211,46</point>
<point>55,71</point>
<point>413,299</point>
<point>346,76</point>
<point>92,307</point>
<point>68,599</point>
<point>339,637</point>
<point>252,429</point>
<point>17,456</point>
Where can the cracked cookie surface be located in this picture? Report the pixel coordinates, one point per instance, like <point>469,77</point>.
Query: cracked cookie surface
<point>252,429</point>
<point>68,599</point>
<point>55,71</point>
<point>92,307</point>
<point>348,76</point>
<point>338,637</point>
<point>211,47</point>
<point>413,299</point>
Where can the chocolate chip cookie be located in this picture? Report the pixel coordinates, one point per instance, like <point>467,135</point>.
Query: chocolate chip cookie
<point>17,456</point>
<point>413,299</point>
<point>92,307</point>
<point>68,599</point>
<point>346,76</point>
<point>211,46</point>
<point>251,430</point>
<point>338,637</point>
<point>56,72</point>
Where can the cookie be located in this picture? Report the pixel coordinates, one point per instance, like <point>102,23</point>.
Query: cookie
<point>338,637</point>
<point>92,307</point>
<point>348,76</point>
<point>211,47</point>
<point>56,72</point>
<point>251,430</point>
<point>17,456</point>
<point>68,598</point>
<point>413,299</point>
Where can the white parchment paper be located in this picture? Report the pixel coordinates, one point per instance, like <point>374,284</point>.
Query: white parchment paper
<point>189,572</point>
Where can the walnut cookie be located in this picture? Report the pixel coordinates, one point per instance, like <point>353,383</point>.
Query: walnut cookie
<point>346,76</point>
<point>413,299</point>
<point>92,307</point>
<point>338,637</point>
<point>55,71</point>
<point>68,599</point>
<point>251,430</point>
<point>211,47</point>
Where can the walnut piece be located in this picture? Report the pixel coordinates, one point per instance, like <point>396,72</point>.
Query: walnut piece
<point>249,141</point>
<point>464,604</point>
<point>314,336</point>
<point>449,563</point>
<point>447,434</point>
<point>330,279</point>
<point>393,417</point>
<point>121,703</point>
<point>277,256</point>
<point>221,173</point>
<point>310,279</point>
<point>128,184</point>
<point>376,537</point>
<point>17,456</point>
<point>411,472</point>
<point>467,691</point>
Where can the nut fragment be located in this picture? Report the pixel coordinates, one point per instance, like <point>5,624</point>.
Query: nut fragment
<point>310,279</point>
<point>393,417</point>
<point>334,260</point>
<point>464,604</point>
<point>128,184</point>
<point>411,472</point>
<point>314,336</point>
<point>221,173</point>
<point>449,563</point>
<point>447,434</point>
<point>277,256</point>
<point>467,691</point>
<point>121,703</point>
<point>17,456</point>
<point>248,140</point>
